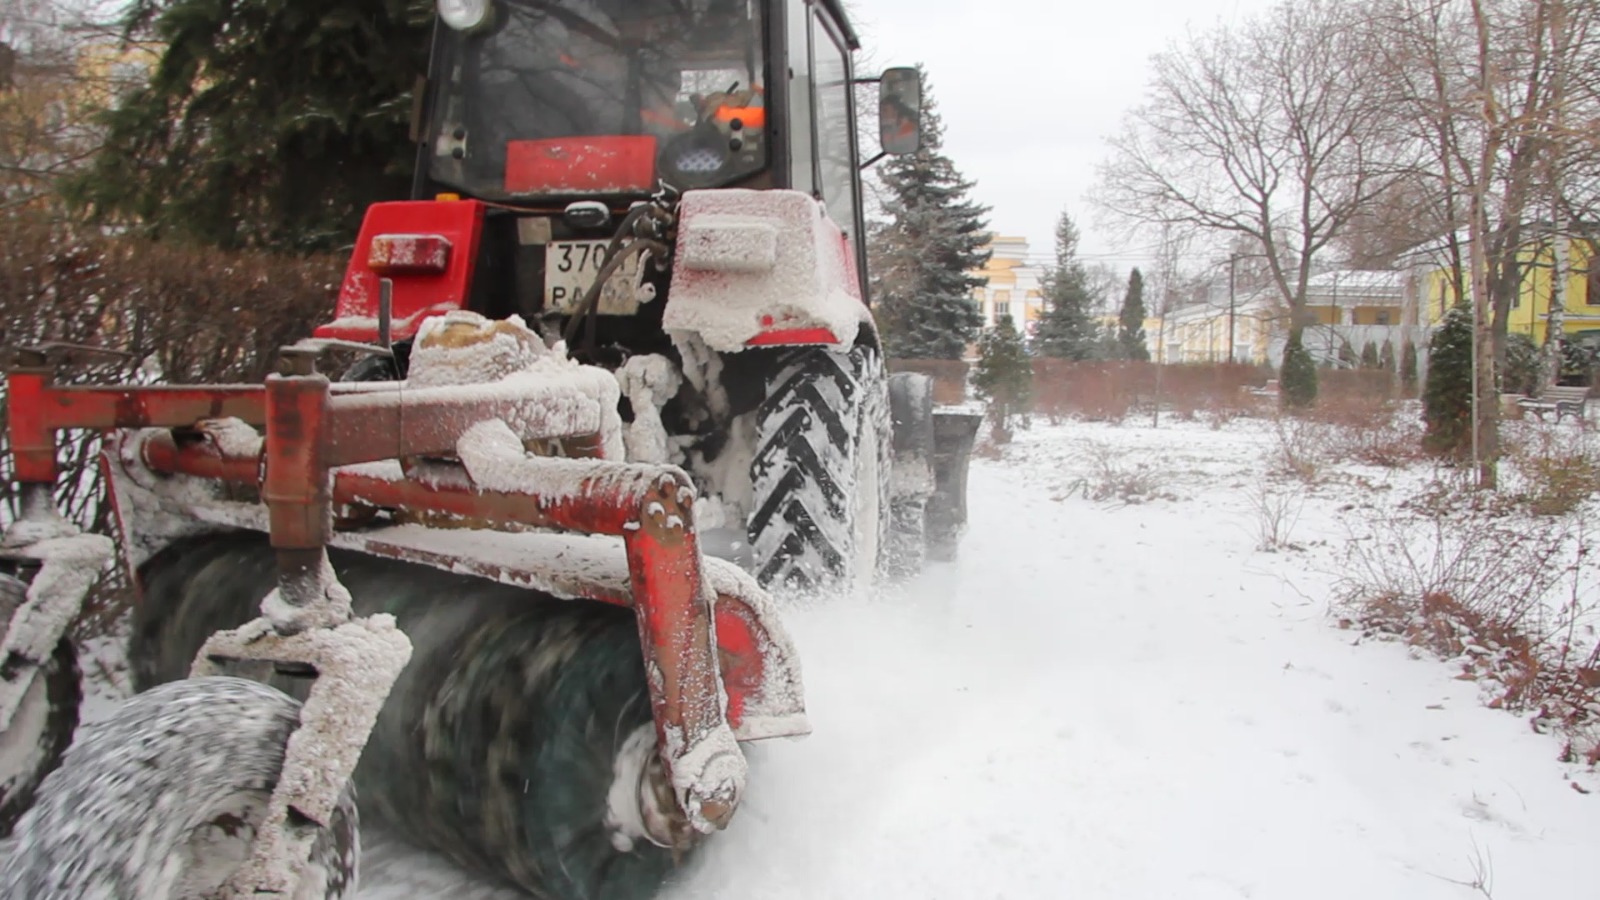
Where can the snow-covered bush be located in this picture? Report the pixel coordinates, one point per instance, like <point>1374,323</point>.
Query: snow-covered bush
<point>1447,395</point>
<point>1509,597</point>
<point>1555,471</point>
<point>1298,379</point>
<point>1003,378</point>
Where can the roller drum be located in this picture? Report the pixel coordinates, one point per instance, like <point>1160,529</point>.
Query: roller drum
<point>498,745</point>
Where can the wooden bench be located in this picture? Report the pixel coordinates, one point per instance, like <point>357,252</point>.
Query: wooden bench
<point>1564,400</point>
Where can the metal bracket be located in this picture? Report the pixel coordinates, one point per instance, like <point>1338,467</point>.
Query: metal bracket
<point>356,665</point>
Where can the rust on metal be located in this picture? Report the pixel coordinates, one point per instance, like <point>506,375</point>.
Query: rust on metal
<point>296,488</point>
<point>368,426</point>
<point>39,408</point>
<point>675,620</point>
<point>312,431</point>
<point>162,453</point>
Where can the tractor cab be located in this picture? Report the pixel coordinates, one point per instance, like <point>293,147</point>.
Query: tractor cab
<point>544,124</point>
<point>539,100</point>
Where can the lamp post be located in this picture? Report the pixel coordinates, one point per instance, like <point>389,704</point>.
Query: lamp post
<point>1233,260</point>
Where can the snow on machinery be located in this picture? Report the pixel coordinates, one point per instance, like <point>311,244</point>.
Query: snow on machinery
<point>618,350</point>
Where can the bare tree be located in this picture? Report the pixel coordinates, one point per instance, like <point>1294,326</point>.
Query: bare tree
<point>60,65</point>
<point>1263,132</point>
<point>1488,90</point>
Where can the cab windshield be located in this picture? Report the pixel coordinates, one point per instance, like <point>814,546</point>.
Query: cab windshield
<point>543,84</point>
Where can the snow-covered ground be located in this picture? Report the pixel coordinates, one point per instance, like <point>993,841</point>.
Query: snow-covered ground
<point>1131,700</point>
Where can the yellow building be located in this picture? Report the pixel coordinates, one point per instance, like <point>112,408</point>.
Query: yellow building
<point>1530,309</point>
<point>1209,332</point>
<point>1012,285</point>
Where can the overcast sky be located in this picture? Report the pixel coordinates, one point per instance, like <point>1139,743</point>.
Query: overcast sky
<point>1029,89</point>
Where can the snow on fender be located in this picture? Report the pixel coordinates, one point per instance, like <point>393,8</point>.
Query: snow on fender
<point>752,263</point>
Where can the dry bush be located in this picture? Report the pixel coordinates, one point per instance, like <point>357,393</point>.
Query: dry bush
<point>1111,391</point>
<point>949,377</point>
<point>1220,389</point>
<point>177,314</point>
<point>1097,391</point>
<point>1369,429</point>
<point>1334,385</point>
<point>1277,513</point>
<point>1110,474</point>
<point>1507,597</point>
<point>1301,447</point>
<point>1226,410</point>
<point>1558,470</point>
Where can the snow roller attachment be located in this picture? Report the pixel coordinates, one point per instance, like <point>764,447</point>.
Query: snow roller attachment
<point>47,569</point>
<point>42,724</point>
<point>519,740</point>
<point>163,799</point>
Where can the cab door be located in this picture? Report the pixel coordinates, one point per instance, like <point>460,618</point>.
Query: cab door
<point>823,156</point>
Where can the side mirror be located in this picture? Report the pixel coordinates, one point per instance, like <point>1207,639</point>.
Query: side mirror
<point>900,111</point>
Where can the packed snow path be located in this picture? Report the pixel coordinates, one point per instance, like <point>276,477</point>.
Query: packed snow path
<point>1106,701</point>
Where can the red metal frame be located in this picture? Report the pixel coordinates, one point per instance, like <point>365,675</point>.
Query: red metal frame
<point>417,294</point>
<point>311,431</point>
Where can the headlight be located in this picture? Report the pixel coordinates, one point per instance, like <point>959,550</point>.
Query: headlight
<point>464,15</point>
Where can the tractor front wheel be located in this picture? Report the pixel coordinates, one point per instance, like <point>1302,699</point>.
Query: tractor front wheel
<point>820,475</point>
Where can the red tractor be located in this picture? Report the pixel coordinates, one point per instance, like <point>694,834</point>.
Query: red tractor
<point>618,348</point>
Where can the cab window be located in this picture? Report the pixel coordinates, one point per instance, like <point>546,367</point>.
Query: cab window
<point>835,157</point>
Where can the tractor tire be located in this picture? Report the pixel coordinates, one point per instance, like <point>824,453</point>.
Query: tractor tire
<point>44,723</point>
<point>160,801</point>
<point>820,474</point>
<point>911,408</point>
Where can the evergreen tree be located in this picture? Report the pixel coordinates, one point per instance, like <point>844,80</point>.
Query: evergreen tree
<point>266,123</point>
<point>1297,383</point>
<point>1447,395</point>
<point>1067,328</point>
<point>1524,372</point>
<point>923,257</point>
<point>1369,356</point>
<point>1347,355</point>
<point>1408,368</point>
<point>1107,342</point>
<point>1003,376</point>
<point>1578,363</point>
<point>1131,332</point>
<point>1386,356</point>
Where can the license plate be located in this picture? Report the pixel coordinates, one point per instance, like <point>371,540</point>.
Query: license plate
<point>570,268</point>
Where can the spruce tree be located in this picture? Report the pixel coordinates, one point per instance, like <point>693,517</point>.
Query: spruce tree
<point>1067,328</point>
<point>266,123</point>
<point>1524,372</point>
<point>1386,356</point>
<point>1578,363</point>
<point>1347,355</point>
<point>923,257</point>
<point>1408,368</point>
<point>1369,356</point>
<point>1297,382</point>
<point>1447,395</point>
<point>1131,332</point>
<point>1107,342</point>
<point>1003,376</point>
